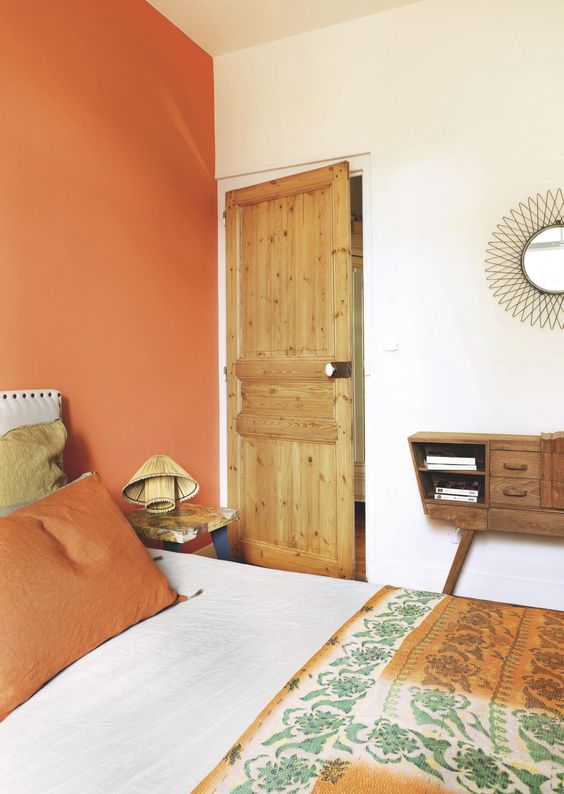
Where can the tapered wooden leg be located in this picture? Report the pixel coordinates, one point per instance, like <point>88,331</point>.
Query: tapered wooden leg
<point>466,538</point>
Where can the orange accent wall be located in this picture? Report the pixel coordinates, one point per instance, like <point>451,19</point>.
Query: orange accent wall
<point>108,228</point>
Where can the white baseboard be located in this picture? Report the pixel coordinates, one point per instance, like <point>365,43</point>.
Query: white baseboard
<point>511,589</point>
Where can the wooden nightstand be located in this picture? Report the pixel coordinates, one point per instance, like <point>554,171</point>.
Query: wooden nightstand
<point>183,524</point>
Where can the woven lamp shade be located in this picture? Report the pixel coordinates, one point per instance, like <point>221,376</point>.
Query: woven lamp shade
<point>159,484</point>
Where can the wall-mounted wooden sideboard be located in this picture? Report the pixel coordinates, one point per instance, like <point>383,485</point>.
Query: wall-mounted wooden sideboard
<point>521,485</point>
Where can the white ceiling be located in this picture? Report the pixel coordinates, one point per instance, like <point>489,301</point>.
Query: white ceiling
<point>220,26</point>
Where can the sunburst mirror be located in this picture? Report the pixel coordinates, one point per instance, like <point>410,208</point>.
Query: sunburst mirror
<point>525,263</point>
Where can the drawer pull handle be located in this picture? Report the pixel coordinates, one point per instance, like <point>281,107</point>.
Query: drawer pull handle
<point>510,492</point>
<point>518,467</point>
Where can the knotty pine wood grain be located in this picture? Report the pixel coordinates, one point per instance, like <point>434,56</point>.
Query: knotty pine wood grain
<point>289,313</point>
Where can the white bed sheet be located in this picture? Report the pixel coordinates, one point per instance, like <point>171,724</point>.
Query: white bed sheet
<point>153,710</point>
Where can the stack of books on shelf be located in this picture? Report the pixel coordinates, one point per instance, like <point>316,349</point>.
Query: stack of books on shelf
<point>440,460</point>
<point>457,490</point>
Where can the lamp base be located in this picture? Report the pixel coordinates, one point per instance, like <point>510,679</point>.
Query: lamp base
<point>160,505</point>
<point>160,494</point>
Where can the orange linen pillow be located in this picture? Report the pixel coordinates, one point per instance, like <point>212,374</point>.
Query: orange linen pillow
<point>72,574</point>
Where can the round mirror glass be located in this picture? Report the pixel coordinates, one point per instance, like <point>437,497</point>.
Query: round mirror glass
<point>543,259</point>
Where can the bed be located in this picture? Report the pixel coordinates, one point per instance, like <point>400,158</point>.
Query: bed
<point>271,681</point>
<point>154,709</point>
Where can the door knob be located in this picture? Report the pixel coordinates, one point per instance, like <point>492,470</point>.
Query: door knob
<point>338,369</point>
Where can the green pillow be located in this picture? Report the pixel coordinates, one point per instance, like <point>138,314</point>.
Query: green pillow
<point>31,463</point>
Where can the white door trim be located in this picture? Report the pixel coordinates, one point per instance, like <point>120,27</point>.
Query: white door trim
<point>359,164</point>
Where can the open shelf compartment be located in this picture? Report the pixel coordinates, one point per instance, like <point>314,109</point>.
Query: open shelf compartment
<point>447,445</point>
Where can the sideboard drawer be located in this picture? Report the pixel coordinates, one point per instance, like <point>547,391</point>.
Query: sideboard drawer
<point>514,492</point>
<point>515,464</point>
<point>537,522</point>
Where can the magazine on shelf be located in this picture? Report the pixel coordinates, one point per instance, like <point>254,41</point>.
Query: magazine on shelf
<point>453,466</point>
<point>450,459</point>
<point>452,498</point>
<point>458,487</point>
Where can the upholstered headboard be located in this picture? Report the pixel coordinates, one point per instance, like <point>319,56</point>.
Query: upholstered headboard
<point>28,407</point>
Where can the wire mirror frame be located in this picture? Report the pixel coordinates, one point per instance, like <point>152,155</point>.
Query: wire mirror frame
<point>505,261</point>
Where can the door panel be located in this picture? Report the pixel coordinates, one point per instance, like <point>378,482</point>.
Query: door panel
<point>290,425</point>
<point>305,400</point>
<point>288,308</point>
<point>289,494</point>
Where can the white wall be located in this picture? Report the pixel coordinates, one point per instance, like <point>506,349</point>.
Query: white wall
<point>461,106</point>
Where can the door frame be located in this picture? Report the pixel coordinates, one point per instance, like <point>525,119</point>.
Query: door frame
<point>360,165</point>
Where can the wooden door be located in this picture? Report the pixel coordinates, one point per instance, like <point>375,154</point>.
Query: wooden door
<point>290,451</point>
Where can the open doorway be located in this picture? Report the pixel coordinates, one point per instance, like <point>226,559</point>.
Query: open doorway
<point>358,375</point>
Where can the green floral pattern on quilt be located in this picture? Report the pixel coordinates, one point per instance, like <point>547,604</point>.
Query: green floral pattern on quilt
<point>343,713</point>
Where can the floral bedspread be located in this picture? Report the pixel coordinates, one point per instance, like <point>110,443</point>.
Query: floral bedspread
<point>417,693</point>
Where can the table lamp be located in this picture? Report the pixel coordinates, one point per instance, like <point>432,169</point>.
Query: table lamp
<point>159,484</point>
